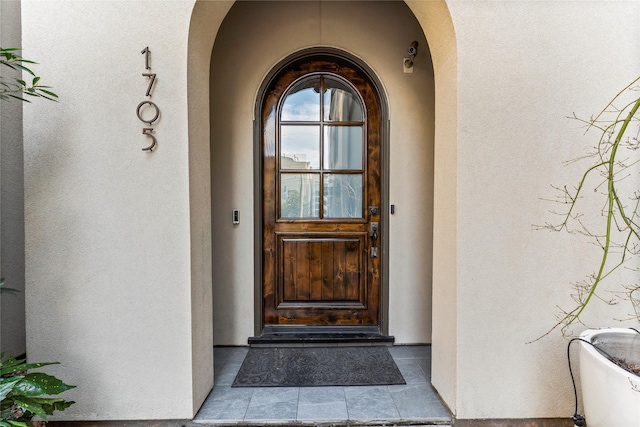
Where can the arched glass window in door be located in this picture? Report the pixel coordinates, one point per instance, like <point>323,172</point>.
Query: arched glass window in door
<point>322,151</point>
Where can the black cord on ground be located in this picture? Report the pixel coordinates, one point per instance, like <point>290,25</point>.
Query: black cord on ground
<point>578,420</point>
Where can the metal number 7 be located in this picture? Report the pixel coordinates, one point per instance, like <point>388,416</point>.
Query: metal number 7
<point>152,76</point>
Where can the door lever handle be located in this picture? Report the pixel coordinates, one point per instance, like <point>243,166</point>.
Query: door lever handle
<point>373,231</point>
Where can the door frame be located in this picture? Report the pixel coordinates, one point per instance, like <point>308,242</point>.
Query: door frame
<point>330,54</point>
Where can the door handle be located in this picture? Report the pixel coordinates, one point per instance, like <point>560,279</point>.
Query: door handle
<point>373,231</point>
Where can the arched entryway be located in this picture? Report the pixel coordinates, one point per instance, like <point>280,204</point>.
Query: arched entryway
<point>237,69</point>
<point>235,84</point>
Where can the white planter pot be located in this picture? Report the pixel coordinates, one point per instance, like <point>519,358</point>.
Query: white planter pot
<point>610,394</point>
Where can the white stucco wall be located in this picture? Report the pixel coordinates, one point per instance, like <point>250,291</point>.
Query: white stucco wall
<point>12,313</point>
<point>117,239</point>
<point>253,39</point>
<point>109,228</point>
<point>522,68</point>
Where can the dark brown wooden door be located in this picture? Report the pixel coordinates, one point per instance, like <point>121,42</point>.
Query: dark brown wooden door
<point>321,197</point>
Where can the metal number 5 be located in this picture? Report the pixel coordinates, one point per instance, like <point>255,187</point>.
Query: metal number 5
<point>148,132</point>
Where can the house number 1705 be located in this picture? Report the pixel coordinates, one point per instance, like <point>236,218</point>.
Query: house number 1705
<point>147,111</point>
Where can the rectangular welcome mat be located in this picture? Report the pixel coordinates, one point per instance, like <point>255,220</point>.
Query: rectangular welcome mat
<point>318,366</point>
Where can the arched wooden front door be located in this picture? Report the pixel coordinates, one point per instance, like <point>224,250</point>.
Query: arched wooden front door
<point>321,197</point>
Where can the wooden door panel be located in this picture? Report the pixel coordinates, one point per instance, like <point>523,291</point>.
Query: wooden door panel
<point>322,271</point>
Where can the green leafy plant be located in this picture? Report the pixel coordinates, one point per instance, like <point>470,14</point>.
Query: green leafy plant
<point>614,227</point>
<point>14,87</point>
<point>25,395</point>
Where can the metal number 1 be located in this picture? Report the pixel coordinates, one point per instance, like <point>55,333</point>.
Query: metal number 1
<point>147,53</point>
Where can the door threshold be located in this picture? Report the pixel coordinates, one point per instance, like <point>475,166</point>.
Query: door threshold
<point>320,335</point>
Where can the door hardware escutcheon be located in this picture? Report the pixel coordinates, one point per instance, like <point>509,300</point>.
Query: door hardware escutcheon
<point>374,210</point>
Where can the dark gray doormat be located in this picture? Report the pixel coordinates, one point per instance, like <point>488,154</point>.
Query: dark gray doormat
<point>318,366</point>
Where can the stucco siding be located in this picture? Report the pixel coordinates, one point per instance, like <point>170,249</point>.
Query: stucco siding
<point>523,67</point>
<point>108,225</point>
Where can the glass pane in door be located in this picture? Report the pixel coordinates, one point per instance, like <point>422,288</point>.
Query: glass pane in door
<point>343,196</point>
<point>303,102</point>
<point>300,147</point>
<point>341,103</point>
<point>343,146</point>
<point>299,195</point>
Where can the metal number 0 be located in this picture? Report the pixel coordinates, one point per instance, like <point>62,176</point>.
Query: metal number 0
<point>154,106</point>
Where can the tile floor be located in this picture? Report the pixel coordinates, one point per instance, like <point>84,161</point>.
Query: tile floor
<point>413,403</point>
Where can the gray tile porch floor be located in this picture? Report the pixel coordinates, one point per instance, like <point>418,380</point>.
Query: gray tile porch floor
<point>414,403</point>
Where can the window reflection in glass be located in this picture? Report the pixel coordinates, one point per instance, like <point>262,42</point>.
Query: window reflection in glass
<point>342,196</point>
<point>303,102</point>
<point>299,195</point>
<point>340,102</point>
<point>300,147</point>
<point>343,147</point>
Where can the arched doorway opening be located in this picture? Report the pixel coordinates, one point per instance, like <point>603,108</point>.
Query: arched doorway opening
<point>235,84</point>
<point>233,77</point>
